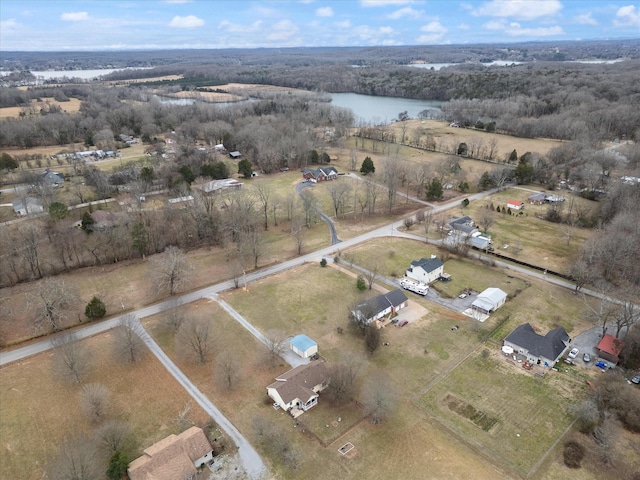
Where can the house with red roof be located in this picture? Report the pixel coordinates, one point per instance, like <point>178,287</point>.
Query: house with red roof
<point>610,348</point>
<point>515,205</point>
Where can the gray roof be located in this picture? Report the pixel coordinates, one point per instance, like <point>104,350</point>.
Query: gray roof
<point>548,346</point>
<point>428,264</point>
<point>324,170</point>
<point>463,224</point>
<point>380,303</point>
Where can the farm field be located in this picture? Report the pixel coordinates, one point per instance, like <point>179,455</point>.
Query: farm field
<point>37,408</point>
<point>72,106</point>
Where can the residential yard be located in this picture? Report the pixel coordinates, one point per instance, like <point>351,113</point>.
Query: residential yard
<point>513,417</point>
<point>37,410</point>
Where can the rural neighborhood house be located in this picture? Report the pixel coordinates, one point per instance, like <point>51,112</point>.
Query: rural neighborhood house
<point>378,307</point>
<point>539,349</point>
<point>174,457</point>
<point>320,174</point>
<point>296,391</point>
<point>426,270</point>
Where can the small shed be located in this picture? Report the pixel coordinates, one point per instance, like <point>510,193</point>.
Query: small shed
<point>610,348</point>
<point>303,346</point>
<point>235,155</point>
<point>515,205</point>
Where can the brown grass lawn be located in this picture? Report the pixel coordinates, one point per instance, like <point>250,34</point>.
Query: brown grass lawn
<point>410,445</point>
<point>543,243</point>
<point>72,106</point>
<point>490,386</point>
<point>448,135</point>
<point>37,410</point>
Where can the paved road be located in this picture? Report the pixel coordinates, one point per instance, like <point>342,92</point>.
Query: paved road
<point>251,461</point>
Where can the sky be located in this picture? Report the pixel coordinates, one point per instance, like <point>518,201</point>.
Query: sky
<point>99,25</point>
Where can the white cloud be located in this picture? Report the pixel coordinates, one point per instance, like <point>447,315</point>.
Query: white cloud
<point>227,26</point>
<point>383,3</point>
<point>405,12</point>
<point>8,25</point>
<point>520,9</point>
<point>343,24</point>
<point>74,16</point>
<point>434,31</point>
<point>324,12</point>
<point>368,34</point>
<point>516,30</point>
<point>282,30</point>
<point>190,21</point>
<point>434,27</point>
<point>463,26</point>
<point>627,16</point>
<point>586,19</point>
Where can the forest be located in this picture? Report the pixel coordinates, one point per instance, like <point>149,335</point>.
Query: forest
<point>585,104</point>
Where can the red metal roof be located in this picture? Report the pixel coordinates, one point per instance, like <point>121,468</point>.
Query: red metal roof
<point>611,345</point>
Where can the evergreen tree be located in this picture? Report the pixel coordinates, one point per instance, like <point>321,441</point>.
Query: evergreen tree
<point>87,223</point>
<point>513,157</point>
<point>434,190</point>
<point>95,309</point>
<point>7,162</point>
<point>486,182</point>
<point>244,168</point>
<point>524,172</point>
<point>361,284</point>
<point>367,166</point>
<point>58,210</point>
<point>462,149</point>
<point>140,238</point>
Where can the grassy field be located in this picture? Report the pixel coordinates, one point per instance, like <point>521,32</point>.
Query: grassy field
<point>72,106</point>
<point>492,397</point>
<point>418,354</point>
<point>37,410</point>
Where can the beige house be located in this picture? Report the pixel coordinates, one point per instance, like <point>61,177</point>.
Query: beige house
<point>173,458</point>
<point>296,391</point>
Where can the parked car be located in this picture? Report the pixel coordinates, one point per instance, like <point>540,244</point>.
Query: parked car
<point>462,295</point>
<point>403,323</point>
<point>636,379</point>
<point>574,353</point>
<point>586,358</point>
<point>601,364</point>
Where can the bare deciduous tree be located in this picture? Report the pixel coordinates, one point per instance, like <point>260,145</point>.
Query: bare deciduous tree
<point>72,360</point>
<point>114,435</point>
<point>486,218</point>
<point>276,342</point>
<point>94,400</point>
<point>372,338</point>
<point>339,192</point>
<point>196,336</point>
<point>227,370</point>
<point>378,397</point>
<point>342,379</point>
<point>173,317</point>
<point>372,272</point>
<point>171,269</point>
<point>76,459</point>
<point>264,195</point>
<point>49,300</point>
<point>128,345</point>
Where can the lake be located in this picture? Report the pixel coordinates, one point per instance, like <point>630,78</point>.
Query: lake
<point>83,74</point>
<point>369,109</point>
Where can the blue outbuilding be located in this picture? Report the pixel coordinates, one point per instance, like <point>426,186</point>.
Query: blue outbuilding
<point>303,346</point>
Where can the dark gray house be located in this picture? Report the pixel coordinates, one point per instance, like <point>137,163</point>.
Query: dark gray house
<point>464,225</point>
<point>539,349</point>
